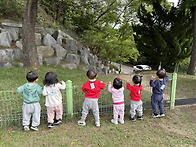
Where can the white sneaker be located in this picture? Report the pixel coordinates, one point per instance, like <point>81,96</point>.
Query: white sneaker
<point>114,122</point>
<point>97,124</point>
<point>162,115</point>
<point>121,121</point>
<point>26,128</point>
<point>155,116</point>
<point>34,128</point>
<point>81,123</point>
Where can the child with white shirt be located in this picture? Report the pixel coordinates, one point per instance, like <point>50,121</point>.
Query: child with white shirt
<point>118,100</point>
<point>53,98</point>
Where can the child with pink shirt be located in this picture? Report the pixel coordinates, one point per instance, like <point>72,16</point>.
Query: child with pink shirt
<point>118,100</point>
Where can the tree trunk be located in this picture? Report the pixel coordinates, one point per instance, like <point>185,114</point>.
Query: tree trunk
<point>30,55</point>
<point>192,65</point>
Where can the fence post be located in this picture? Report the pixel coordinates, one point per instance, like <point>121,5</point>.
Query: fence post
<point>173,90</point>
<point>69,95</point>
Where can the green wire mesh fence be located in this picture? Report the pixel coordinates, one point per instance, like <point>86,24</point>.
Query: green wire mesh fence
<point>11,103</point>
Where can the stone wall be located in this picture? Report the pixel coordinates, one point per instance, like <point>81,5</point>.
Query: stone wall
<point>53,47</point>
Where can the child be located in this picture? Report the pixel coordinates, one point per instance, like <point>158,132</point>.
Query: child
<point>118,100</point>
<point>92,90</point>
<point>31,107</point>
<point>158,90</point>
<point>136,102</point>
<point>53,98</point>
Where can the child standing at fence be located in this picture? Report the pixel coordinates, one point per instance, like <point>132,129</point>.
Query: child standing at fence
<point>53,98</point>
<point>31,106</point>
<point>118,100</point>
<point>158,90</point>
<point>92,90</point>
<point>135,102</point>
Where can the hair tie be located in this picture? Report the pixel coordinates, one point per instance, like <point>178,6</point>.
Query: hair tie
<point>118,79</point>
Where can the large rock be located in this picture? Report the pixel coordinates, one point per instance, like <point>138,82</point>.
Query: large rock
<point>5,39</point>
<point>5,64</point>
<point>84,56</point>
<point>71,48</point>
<point>38,39</point>
<point>71,42</point>
<point>11,25</point>
<point>70,66</point>
<point>54,61</point>
<point>59,36</point>
<point>48,40</point>
<point>19,44</point>
<point>73,58</point>
<point>49,30</point>
<point>14,33</point>
<point>46,51</point>
<point>60,51</point>
<point>10,54</point>
<point>41,30</point>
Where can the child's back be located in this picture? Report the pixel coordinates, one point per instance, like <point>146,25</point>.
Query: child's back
<point>158,90</point>
<point>31,107</point>
<point>30,92</point>
<point>92,90</point>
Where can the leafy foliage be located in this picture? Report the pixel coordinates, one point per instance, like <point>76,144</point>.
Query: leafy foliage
<point>163,35</point>
<point>10,9</point>
<point>104,25</point>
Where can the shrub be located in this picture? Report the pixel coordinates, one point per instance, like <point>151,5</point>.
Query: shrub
<point>10,9</point>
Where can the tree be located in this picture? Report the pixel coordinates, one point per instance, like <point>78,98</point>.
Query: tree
<point>28,35</point>
<point>191,4</point>
<point>158,37</point>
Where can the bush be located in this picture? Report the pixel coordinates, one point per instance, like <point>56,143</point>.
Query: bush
<point>183,66</point>
<point>10,9</point>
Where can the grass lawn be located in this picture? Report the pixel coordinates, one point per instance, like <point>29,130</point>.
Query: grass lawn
<point>178,128</point>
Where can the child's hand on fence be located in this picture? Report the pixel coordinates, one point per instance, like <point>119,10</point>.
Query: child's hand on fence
<point>152,78</point>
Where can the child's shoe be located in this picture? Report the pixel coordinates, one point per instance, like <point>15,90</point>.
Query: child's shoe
<point>34,128</point>
<point>132,119</point>
<point>26,128</point>
<point>97,124</point>
<point>121,121</point>
<point>155,115</point>
<point>162,115</point>
<point>51,125</point>
<point>81,123</point>
<point>140,117</point>
<point>114,122</point>
<point>58,122</point>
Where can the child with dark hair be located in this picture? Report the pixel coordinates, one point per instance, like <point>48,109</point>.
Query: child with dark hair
<point>53,98</point>
<point>92,90</point>
<point>118,100</point>
<point>31,106</point>
<point>136,102</point>
<point>158,90</point>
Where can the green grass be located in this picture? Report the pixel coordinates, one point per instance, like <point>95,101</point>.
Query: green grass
<point>178,128</point>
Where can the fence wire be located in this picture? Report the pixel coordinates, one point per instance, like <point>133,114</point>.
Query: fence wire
<point>11,103</point>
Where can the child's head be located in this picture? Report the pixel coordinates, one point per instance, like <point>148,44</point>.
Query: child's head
<point>137,79</point>
<point>117,83</point>
<point>50,78</point>
<point>31,76</point>
<point>91,74</point>
<point>161,73</point>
